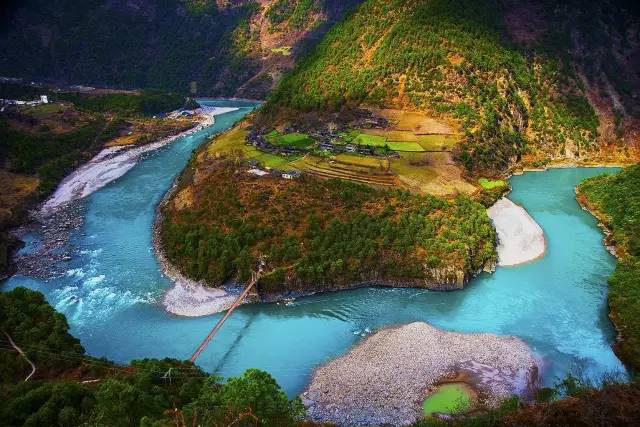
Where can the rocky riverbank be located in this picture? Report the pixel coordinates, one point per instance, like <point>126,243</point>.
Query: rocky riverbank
<point>186,297</point>
<point>608,241</point>
<point>62,214</point>
<point>520,238</point>
<point>53,232</point>
<point>113,162</point>
<point>385,379</point>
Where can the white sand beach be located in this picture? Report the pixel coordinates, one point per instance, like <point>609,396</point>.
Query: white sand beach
<point>520,238</point>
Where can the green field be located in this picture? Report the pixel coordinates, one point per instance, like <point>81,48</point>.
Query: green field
<point>381,141</point>
<point>405,146</point>
<point>233,142</point>
<point>370,140</point>
<point>44,110</point>
<point>488,184</point>
<point>437,142</point>
<point>449,399</point>
<point>295,140</point>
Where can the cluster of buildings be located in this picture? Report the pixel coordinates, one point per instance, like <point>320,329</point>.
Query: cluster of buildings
<point>44,99</point>
<point>258,140</point>
<point>258,171</point>
<point>326,138</point>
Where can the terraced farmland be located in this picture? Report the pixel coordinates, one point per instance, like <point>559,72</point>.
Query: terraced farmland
<point>364,172</point>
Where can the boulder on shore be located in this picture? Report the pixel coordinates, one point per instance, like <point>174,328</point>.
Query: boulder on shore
<point>520,238</point>
<point>385,379</point>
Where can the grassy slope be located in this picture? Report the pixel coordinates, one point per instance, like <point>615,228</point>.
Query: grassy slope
<point>449,58</point>
<point>616,201</point>
<point>321,234</point>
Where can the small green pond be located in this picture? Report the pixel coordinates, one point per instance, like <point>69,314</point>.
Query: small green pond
<point>449,399</point>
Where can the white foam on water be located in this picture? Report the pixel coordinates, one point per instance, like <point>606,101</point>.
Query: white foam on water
<point>75,272</point>
<point>93,281</point>
<point>91,252</point>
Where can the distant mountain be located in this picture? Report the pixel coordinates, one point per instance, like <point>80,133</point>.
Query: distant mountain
<point>208,47</point>
<point>534,81</point>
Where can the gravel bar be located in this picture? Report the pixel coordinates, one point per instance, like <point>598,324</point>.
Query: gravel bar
<point>385,378</point>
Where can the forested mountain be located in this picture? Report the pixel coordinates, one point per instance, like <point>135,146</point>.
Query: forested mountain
<point>520,78</point>
<point>238,47</point>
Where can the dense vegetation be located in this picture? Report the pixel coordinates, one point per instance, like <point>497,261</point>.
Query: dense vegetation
<point>297,12</point>
<point>164,44</point>
<point>596,36</point>
<point>207,47</point>
<point>51,154</point>
<point>148,102</point>
<point>41,144</point>
<point>450,58</point>
<point>48,154</point>
<point>616,200</point>
<point>317,234</point>
<point>146,393</point>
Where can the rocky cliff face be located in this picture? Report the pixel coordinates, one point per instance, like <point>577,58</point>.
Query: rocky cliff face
<point>438,279</point>
<point>598,42</point>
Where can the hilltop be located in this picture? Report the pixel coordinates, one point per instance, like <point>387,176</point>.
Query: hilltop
<point>208,47</point>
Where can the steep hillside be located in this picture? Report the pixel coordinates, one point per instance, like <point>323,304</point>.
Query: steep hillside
<point>206,46</point>
<point>599,39</point>
<point>460,60</point>
<point>615,200</point>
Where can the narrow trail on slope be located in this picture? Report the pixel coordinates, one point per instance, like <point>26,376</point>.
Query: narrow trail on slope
<point>22,353</point>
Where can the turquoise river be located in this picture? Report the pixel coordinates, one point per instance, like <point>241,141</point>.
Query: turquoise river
<point>112,288</point>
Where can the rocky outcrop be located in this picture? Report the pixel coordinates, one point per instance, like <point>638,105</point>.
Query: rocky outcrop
<point>385,379</point>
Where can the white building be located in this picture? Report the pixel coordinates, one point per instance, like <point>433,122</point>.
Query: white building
<point>291,174</point>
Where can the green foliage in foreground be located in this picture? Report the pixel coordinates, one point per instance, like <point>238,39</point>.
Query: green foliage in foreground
<point>149,392</point>
<point>617,198</point>
<point>38,329</point>
<point>323,233</point>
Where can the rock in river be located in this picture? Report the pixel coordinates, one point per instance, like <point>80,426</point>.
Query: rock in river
<point>385,379</point>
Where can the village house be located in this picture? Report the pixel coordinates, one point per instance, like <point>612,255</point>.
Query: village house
<point>293,174</point>
<point>365,149</point>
